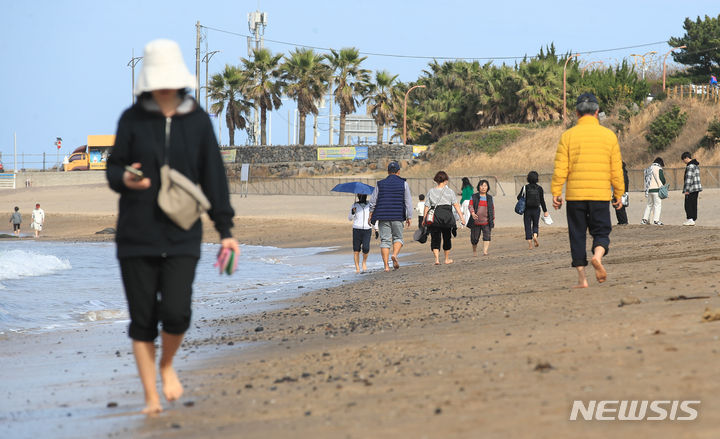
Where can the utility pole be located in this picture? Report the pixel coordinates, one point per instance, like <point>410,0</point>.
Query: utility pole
<point>330,115</point>
<point>257,21</point>
<point>197,61</point>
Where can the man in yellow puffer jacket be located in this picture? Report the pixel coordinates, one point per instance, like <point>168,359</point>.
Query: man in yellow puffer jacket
<point>588,159</point>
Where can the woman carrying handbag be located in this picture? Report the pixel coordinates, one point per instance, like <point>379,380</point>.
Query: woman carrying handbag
<point>441,200</point>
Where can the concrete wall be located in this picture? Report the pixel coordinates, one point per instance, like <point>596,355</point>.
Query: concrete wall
<point>301,160</point>
<point>74,178</point>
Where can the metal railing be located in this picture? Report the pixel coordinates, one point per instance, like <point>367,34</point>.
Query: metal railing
<point>675,177</point>
<point>702,92</point>
<point>35,162</point>
<point>323,186</point>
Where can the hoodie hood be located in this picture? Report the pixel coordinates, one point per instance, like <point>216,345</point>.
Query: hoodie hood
<point>693,162</point>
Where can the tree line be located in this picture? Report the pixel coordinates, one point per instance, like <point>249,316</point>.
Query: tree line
<point>457,95</point>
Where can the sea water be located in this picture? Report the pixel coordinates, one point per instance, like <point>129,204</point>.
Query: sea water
<point>46,286</point>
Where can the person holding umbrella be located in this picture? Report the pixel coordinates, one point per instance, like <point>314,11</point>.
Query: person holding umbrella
<point>360,216</point>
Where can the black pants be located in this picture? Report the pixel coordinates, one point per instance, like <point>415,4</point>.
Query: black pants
<point>531,218</point>
<point>158,290</point>
<point>621,215</point>
<point>584,216</point>
<point>361,240</point>
<point>691,205</point>
<point>437,234</point>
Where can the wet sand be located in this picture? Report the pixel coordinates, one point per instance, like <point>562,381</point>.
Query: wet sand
<point>495,346</point>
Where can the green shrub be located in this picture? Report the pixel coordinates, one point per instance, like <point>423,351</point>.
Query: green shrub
<point>665,128</point>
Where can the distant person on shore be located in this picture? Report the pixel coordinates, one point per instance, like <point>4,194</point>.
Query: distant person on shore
<point>362,231</point>
<point>442,200</point>
<point>534,201</point>
<point>588,159</point>
<point>691,188</point>
<point>158,257</point>
<point>654,180</point>
<point>38,220</point>
<point>466,195</point>
<point>481,219</point>
<point>621,214</point>
<point>390,206</point>
<point>16,220</point>
<point>420,209</point>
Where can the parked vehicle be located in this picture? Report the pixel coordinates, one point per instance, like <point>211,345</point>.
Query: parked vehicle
<point>91,156</point>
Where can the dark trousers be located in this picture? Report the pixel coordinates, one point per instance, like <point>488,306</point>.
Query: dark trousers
<point>437,234</point>
<point>621,216</point>
<point>531,217</point>
<point>584,216</point>
<point>361,240</point>
<point>158,290</point>
<point>691,205</point>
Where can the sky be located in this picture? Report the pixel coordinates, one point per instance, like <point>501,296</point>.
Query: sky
<point>65,66</point>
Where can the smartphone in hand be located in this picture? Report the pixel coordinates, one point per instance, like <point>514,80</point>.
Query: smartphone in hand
<point>137,174</point>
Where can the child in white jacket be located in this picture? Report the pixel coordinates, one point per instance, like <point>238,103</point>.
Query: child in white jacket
<point>359,215</point>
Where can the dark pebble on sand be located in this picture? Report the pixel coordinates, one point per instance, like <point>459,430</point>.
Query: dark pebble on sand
<point>438,411</point>
<point>308,413</point>
<point>189,403</point>
<point>259,329</point>
<point>112,404</point>
<point>231,343</point>
<point>248,386</point>
<point>176,426</point>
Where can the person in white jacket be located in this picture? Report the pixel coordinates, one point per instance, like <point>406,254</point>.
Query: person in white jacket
<point>38,218</point>
<point>359,215</point>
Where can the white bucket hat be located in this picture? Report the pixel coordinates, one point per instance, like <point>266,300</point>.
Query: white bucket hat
<point>163,68</point>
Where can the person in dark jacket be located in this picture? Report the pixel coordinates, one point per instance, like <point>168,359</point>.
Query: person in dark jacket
<point>534,201</point>
<point>481,217</point>
<point>621,213</point>
<point>157,257</point>
<point>390,206</point>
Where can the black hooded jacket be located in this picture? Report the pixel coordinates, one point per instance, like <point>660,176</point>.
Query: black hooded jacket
<point>143,229</point>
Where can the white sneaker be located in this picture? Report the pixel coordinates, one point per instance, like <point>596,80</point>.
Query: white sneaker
<point>689,222</point>
<point>644,221</point>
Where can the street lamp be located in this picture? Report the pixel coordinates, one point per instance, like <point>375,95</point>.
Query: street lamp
<point>133,62</point>
<point>642,57</point>
<point>206,60</point>
<point>565,85</point>
<point>405,112</point>
<point>582,74</point>
<point>665,59</point>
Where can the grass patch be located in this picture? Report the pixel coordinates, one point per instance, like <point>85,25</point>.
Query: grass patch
<point>488,141</point>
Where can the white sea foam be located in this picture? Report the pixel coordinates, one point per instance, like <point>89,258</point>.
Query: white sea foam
<point>15,264</point>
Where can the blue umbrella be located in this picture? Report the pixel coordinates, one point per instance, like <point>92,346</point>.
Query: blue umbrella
<point>354,187</point>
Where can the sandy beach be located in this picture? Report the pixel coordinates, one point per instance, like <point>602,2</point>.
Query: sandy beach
<point>496,346</point>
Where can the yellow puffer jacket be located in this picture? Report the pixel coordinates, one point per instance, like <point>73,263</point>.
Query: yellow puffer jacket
<point>588,158</point>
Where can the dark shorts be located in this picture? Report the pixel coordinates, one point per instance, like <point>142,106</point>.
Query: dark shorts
<point>158,290</point>
<point>361,240</point>
<point>16,227</point>
<point>476,231</point>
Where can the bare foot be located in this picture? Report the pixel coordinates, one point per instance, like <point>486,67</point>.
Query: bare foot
<point>449,261</point>
<point>172,389</point>
<point>535,241</point>
<point>357,270</point>
<point>600,273</point>
<point>387,268</point>
<point>485,253</point>
<point>437,262</point>
<point>152,407</point>
<point>396,265</point>
<point>581,285</point>
<point>364,268</point>
<point>474,254</point>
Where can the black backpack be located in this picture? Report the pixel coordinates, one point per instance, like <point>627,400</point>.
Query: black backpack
<point>532,195</point>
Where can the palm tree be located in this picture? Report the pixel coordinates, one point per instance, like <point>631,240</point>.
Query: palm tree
<point>539,94</point>
<point>263,85</point>
<point>225,90</point>
<point>351,81</point>
<point>379,101</point>
<point>306,78</point>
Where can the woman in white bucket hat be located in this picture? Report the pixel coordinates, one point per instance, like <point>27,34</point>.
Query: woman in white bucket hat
<point>157,257</point>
